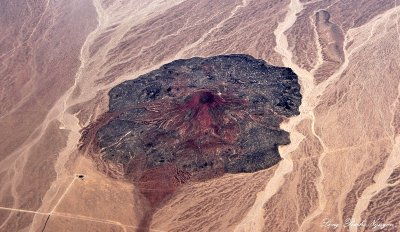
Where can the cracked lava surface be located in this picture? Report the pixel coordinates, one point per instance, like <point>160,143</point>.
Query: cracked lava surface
<point>192,120</point>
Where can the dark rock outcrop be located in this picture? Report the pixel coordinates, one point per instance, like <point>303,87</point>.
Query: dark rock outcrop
<point>195,119</point>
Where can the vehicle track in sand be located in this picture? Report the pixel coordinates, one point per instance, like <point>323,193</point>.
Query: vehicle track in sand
<point>311,93</point>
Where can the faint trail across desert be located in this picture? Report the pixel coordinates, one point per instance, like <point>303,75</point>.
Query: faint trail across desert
<point>77,217</point>
<point>335,136</point>
<point>70,123</point>
<point>68,120</point>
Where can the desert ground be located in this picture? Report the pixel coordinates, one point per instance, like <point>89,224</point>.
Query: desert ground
<point>341,171</point>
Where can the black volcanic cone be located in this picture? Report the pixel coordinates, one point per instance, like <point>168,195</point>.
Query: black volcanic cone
<point>196,119</point>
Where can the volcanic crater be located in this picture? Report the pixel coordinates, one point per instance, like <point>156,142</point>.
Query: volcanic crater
<point>192,120</point>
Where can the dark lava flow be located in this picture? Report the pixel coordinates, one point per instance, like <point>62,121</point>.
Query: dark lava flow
<point>194,119</point>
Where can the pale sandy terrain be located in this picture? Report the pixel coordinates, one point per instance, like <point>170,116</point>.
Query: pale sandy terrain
<point>60,58</point>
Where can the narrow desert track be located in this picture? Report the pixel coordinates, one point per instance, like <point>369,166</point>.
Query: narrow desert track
<point>72,124</point>
<point>77,217</point>
<point>114,52</point>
